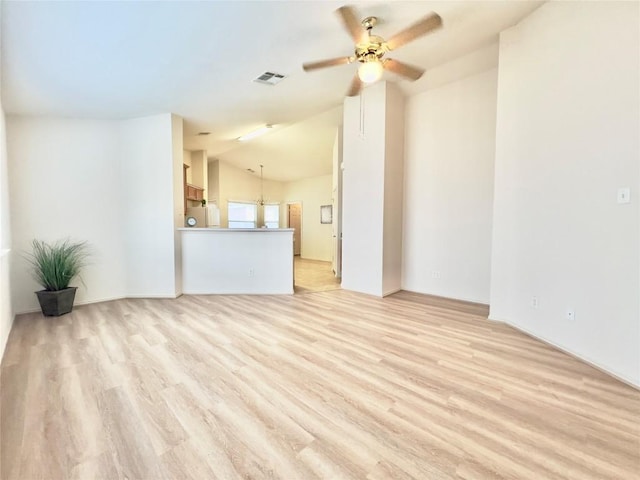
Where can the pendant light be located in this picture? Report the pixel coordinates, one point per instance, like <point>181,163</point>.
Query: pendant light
<point>261,199</point>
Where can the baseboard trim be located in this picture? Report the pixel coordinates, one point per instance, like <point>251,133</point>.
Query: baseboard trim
<point>457,304</point>
<point>5,340</point>
<point>237,293</point>
<point>147,296</point>
<point>313,259</point>
<point>98,300</point>
<point>391,292</point>
<point>456,299</point>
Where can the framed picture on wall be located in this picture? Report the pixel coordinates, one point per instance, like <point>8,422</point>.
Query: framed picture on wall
<point>326,213</point>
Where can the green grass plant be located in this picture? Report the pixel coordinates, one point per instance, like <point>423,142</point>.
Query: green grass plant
<point>55,265</point>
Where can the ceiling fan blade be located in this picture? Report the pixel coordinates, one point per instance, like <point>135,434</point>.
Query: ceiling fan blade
<point>351,23</point>
<point>355,87</point>
<point>326,63</point>
<point>404,69</point>
<point>422,27</point>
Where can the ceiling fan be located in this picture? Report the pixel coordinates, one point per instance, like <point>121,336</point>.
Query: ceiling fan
<point>370,49</point>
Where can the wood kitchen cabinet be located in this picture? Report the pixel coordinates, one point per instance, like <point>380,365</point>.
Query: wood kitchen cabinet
<point>194,193</point>
<point>191,192</point>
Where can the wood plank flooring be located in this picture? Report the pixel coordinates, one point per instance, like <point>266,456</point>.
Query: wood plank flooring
<point>332,385</point>
<point>314,276</point>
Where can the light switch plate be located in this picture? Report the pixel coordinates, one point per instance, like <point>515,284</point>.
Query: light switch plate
<point>624,195</point>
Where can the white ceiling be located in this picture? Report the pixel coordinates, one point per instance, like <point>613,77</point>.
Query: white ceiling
<point>198,59</point>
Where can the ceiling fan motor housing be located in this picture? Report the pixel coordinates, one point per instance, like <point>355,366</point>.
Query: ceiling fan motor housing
<point>374,46</point>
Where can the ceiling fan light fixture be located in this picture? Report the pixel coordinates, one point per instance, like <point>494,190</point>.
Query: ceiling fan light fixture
<point>255,133</point>
<point>371,70</point>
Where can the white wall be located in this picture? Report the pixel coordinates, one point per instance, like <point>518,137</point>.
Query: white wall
<point>65,182</point>
<point>371,198</point>
<point>147,192</point>
<point>568,123</point>
<point>393,192</point>
<point>186,160</point>
<point>363,190</point>
<point>6,307</point>
<point>450,150</point>
<point>316,238</point>
<point>213,181</point>
<point>110,183</point>
<point>177,154</point>
<point>336,197</point>
<point>200,170</point>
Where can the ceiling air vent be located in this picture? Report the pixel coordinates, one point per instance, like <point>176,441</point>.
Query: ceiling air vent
<point>269,78</point>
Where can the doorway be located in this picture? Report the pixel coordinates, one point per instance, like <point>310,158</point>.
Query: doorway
<point>313,276</point>
<point>294,220</point>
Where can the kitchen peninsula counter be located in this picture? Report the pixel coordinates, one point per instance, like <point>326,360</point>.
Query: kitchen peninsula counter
<point>237,260</point>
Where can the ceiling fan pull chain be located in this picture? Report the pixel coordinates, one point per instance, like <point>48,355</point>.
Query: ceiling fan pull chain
<point>361,115</point>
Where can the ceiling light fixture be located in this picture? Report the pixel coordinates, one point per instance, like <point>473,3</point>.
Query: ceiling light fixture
<point>255,133</point>
<point>371,69</point>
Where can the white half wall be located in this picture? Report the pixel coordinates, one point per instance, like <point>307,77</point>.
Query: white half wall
<point>568,123</point>
<point>316,243</point>
<point>65,183</point>
<point>448,189</point>
<point>237,261</point>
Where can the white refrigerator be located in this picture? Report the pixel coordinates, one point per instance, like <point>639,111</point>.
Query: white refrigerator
<point>207,216</point>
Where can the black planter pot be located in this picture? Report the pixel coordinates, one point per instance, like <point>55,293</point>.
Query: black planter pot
<point>56,303</point>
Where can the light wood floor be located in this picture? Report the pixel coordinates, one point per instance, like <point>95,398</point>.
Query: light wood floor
<point>331,385</point>
<point>314,276</point>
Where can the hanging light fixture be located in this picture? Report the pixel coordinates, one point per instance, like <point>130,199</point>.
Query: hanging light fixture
<point>261,199</point>
<point>371,69</point>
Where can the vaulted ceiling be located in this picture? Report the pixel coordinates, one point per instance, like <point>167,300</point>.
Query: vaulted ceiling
<point>117,60</point>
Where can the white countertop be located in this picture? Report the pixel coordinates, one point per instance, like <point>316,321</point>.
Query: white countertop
<point>216,229</point>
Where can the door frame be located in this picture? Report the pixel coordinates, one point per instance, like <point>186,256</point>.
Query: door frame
<point>288,205</point>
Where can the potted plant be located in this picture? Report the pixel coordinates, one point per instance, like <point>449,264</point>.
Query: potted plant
<point>54,266</point>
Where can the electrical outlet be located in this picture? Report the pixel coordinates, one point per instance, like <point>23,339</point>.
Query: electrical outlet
<point>535,302</point>
<point>435,274</point>
<point>571,314</point>
<point>251,272</point>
